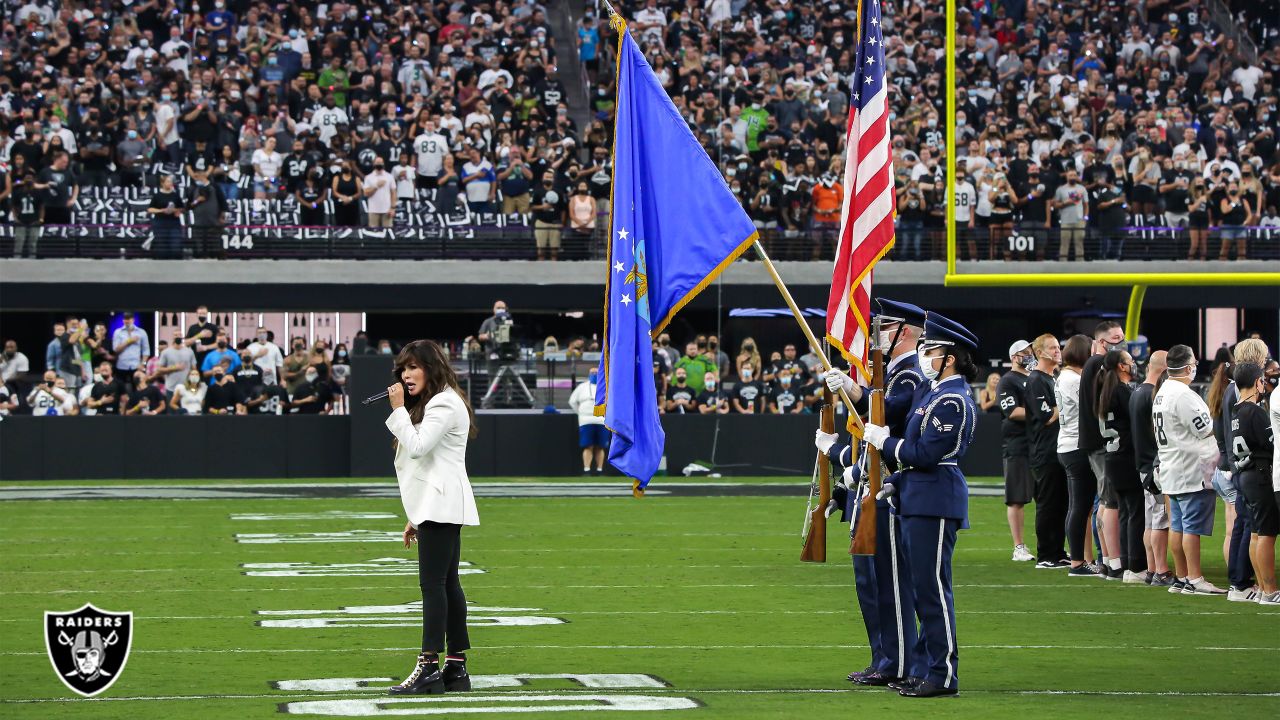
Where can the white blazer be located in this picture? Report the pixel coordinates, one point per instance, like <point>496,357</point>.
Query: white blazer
<point>431,462</point>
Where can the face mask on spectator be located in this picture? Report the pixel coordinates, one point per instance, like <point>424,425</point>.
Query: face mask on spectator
<point>385,350</point>
<point>193,377</point>
<point>312,375</point>
<point>133,134</point>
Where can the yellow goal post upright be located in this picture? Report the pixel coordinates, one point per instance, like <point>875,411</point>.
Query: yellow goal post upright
<point>1138,281</point>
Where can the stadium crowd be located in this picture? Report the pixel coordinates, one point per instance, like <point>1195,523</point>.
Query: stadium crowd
<point>379,113</point>
<point>200,371</point>
<point>1135,461</point>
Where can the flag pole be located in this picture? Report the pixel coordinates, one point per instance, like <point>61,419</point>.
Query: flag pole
<point>804,326</point>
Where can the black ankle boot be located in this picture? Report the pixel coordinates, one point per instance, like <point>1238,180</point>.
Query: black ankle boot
<point>456,678</point>
<point>426,679</point>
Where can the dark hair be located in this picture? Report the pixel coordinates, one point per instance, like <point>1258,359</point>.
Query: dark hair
<point>1179,357</point>
<point>1218,384</point>
<point>1246,374</point>
<point>1104,327</point>
<point>1108,381</point>
<point>439,376</point>
<point>964,365</point>
<point>1077,350</point>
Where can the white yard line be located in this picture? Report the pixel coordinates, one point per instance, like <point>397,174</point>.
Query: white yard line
<point>681,691</point>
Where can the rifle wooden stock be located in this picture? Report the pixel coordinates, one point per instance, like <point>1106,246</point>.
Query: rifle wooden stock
<point>864,532</point>
<point>815,543</point>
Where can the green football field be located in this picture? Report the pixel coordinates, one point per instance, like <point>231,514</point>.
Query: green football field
<point>248,603</point>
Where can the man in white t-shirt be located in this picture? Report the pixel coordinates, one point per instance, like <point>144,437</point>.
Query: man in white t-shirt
<point>380,195</point>
<point>266,356</point>
<point>652,21</point>
<point>266,168</point>
<point>593,436</point>
<point>478,177</point>
<point>406,176</point>
<point>1186,457</point>
<point>430,147</point>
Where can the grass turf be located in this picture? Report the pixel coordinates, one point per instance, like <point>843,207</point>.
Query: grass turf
<point>705,593</point>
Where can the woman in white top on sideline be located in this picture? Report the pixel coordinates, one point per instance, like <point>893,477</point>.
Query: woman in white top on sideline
<point>1082,484</point>
<point>432,421</point>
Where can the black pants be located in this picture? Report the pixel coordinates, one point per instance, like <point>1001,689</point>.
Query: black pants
<point>1051,511</point>
<point>1082,488</point>
<point>1124,482</point>
<point>444,606</point>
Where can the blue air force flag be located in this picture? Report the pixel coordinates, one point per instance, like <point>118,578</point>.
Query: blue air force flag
<point>675,226</point>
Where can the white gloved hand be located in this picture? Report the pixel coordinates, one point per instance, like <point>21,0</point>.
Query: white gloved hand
<point>848,477</point>
<point>876,435</point>
<point>823,441</point>
<point>837,380</point>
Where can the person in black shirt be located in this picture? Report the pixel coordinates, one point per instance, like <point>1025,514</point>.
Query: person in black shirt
<point>223,396</point>
<point>1019,488</point>
<point>311,199</point>
<point>61,189</point>
<point>145,398</point>
<point>1107,336</point>
<point>787,362</point>
<point>681,397</point>
<point>749,395</point>
<point>1112,416</point>
<point>1253,447</point>
<point>202,336</point>
<point>311,396</point>
<point>27,204</point>
<point>713,399</point>
<point>784,398</point>
<point>1034,208</point>
<point>274,401</point>
<point>106,394</point>
<point>165,209</point>
<point>1145,452</point>
<point>1108,203</point>
<point>200,161</point>
<point>1042,435</point>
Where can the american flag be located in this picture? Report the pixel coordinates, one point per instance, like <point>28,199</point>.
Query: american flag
<point>866,219</point>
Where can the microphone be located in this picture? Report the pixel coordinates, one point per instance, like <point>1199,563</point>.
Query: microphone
<point>375,398</point>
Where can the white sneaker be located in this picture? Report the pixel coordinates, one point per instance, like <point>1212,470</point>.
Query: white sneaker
<point>1272,599</point>
<point>1200,586</point>
<point>1022,554</point>
<point>1135,578</point>
<point>1250,595</point>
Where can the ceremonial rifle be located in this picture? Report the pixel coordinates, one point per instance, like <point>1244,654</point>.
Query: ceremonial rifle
<point>815,540</point>
<point>864,527</point>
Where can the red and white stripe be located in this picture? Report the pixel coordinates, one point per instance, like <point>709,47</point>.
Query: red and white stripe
<point>866,228</point>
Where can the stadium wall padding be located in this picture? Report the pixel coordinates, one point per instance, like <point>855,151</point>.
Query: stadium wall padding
<point>510,444</point>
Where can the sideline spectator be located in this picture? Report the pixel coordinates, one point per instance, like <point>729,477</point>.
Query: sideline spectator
<point>13,363</point>
<point>593,436</point>
<point>131,346</point>
<point>380,194</point>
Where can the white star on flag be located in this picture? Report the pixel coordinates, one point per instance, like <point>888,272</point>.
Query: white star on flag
<point>622,234</point>
<point>626,299</point>
<point>617,267</point>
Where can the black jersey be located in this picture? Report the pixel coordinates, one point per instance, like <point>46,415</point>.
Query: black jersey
<point>1252,444</point>
<point>1090,432</point>
<point>1040,402</point>
<point>1011,393</point>
<point>1116,427</point>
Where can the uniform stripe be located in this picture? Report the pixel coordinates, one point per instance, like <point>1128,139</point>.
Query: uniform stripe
<point>942,596</point>
<point>897,596</point>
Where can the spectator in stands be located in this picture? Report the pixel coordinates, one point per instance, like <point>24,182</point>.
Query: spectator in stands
<point>266,356</point>
<point>12,363</point>
<point>296,363</point>
<point>188,398</point>
<point>131,345</point>
<point>222,351</point>
<point>478,180</point>
<point>143,398</point>
<point>549,215</point>
<point>713,400</point>
<point>311,396</point>
<point>696,365</point>
<point>1071,201</point>
<point>681,397</point>
<point>380,194</point>
<point>347,189</point>
<point>62,187</point>
<point>750,395</point>
<point>51,397</point>
<point>175,362</point>
<point>166,208</point>
<point>26,205</point>
<point>106,395</point>
<point>582,211</point>
<point>748,353</point>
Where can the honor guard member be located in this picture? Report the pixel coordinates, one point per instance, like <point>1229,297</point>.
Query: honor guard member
<point>884,596</point>
<point>931,496</point>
